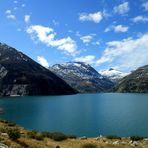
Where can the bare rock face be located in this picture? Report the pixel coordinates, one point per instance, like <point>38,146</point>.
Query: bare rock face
<point>20,75</point>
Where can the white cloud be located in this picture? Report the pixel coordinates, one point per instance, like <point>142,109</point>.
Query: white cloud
<point>87,38</point>
<point>126,54</point>
<point>27,18</point>
<point>11,16</point>
<point>140,19</point>
<point>122,8</point>
<point>47,35</point>
<point>94,17</point>
<point>145,6</point>
<point>43,61</point>
<point>90,59</point>
<point>23,5</point>
<point>8,11</point>
<point>118,28</point>
<point>15,2</point>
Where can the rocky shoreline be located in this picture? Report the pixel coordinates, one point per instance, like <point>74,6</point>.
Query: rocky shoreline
<point>14,136</point>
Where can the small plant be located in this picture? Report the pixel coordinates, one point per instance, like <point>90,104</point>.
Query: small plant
<point>35,135</point>
<point>46,134</point>
<point>113,137</point>
<point>89,145</point>
<point>11,124</point>
<point>58,136</point>
<point>14,133</point>
<point>136,138</point>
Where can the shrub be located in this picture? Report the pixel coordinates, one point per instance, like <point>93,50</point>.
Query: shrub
<point>35,135</point>
<point>136,138</point>
<point>14,133</point>
<point>11,124</point>
<point>113,137</point>
<point>89,145</point>
<point>72,136</point>
<point>46,134</point>
<point>58,136</point>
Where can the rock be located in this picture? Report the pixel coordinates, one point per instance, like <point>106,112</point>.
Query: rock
<point>4,134</point>
<point>116,143</point>
<point>83,138</point>
<point>3,145</point>
<point>135,143</point>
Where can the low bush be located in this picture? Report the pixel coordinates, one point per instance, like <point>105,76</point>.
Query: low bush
<point>35,135</point>
<point>136,138</point>
<point>58,136</point>
<point>14,133</point>
<point>113,137</point>
<point>89,145</point>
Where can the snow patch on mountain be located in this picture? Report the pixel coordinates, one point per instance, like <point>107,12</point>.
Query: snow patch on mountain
<point>113,74</point>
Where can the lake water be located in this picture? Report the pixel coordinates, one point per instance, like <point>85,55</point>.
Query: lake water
<point>82,115</point>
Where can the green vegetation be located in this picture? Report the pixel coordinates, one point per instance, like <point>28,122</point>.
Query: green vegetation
<point>14,133</point>
<point>89,145</point>
<point>136,138</point>
<point>113,137</point>
<point>35,135</point>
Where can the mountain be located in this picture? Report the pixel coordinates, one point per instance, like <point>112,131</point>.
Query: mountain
<point>113,74</point>
<point>20,75</point>
<point>82,77</point>
<point>137,81</point>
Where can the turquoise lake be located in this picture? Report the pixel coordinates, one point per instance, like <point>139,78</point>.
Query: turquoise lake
<point>82,114</point>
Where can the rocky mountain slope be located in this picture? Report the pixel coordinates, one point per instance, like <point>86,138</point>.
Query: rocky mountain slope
<point>82,77</point>
<point>20,75</point>
<point>113,74</point>
<point>137,81</point>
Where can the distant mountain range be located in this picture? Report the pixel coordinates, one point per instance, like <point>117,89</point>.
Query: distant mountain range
<point>82,77</point>
<point>20,75</point>
<point>137,81</point>
<point>113,74</point>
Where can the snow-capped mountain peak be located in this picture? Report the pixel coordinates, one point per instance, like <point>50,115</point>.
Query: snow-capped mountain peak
<point>113,74</point>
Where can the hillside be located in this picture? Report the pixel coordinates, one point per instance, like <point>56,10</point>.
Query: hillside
<point>137,81</point>
<point>20,75</point>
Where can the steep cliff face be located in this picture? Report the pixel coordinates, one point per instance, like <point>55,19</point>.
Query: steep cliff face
<point>137,81</point>
<point>82,77</point>
<point>20,75</point>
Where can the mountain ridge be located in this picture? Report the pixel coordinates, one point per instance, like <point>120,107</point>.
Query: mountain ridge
<point>82,77</point>
<point>20,75</point>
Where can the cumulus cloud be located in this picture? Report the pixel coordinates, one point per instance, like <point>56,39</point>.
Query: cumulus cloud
<point>94,17</point>
<point>47,35</point>
<point>140,19</point>
<point>8,11</point>
<point>90,59</point>
<point>118,28</point>
<point>87,38</point>
<point>122,8</point>
<point>145,6</point>
<point>27,18</point>
<point>9,15</point>
<point>43,61</point>
<point>126,54</point>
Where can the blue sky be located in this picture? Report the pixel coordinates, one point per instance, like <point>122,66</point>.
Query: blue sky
<point>103,33</point>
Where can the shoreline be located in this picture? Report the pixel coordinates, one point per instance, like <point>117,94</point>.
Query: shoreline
<point>9,132</point>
